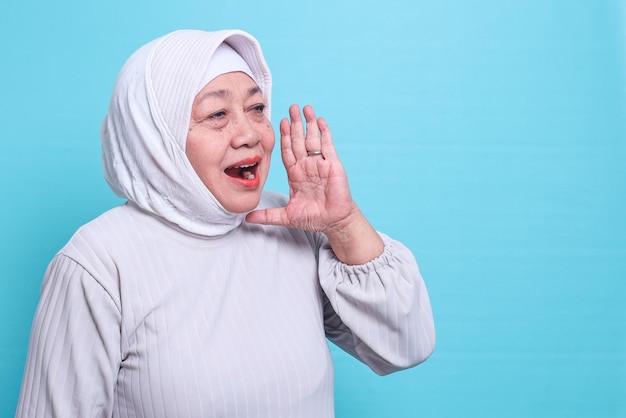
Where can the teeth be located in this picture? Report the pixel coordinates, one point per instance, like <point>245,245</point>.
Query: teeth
<point>248,175</point>
<point>246,165</point>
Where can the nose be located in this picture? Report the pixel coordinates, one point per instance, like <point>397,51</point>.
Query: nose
<point>245,133</point>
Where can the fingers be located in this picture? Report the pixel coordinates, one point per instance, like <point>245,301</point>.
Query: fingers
<point>326,140</point>
<point>312,141</point>
<point>297,140</point>
<point>287,152</point>
<point>297,132</point>
<point>275,216</point>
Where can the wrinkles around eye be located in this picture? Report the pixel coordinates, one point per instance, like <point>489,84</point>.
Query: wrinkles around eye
<point>217,115</point>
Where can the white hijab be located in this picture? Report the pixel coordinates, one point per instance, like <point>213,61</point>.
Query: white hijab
<point>144,133</point>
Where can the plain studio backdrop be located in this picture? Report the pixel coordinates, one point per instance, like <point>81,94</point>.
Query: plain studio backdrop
<point>488,136</point>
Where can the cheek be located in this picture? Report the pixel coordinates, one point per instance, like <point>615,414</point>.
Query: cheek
<point>201,152</point>
<point>194,154</point>
<point>191,152</point>
<point>270,137</point>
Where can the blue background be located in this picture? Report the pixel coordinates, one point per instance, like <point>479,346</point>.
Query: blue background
<point>488,136</point>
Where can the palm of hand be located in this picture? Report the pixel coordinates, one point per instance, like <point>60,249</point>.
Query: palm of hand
<point>319,195</point>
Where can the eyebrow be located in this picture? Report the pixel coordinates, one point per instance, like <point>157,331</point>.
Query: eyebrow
<point>223,93</point>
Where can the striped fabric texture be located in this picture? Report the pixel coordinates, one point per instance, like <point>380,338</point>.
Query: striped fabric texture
<point>139,318</point>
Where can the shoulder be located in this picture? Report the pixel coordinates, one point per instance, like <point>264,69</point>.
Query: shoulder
<point>94,245</point>
<point>106,228</point>
<point>88,259</point>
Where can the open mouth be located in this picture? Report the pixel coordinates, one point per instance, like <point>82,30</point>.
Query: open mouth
<point>243,171</point>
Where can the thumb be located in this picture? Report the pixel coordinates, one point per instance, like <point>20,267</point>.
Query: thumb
<point>274,216</point>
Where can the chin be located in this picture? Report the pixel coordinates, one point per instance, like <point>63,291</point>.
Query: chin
<point>244,205</point>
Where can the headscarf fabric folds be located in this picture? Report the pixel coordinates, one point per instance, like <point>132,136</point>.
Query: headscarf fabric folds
<point>145,130</point>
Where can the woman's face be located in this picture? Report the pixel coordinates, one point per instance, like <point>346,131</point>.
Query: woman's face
<point>230,140</point>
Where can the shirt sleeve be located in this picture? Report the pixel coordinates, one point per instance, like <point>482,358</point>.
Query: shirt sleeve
<point>380,311</point>
<point>74,352</point>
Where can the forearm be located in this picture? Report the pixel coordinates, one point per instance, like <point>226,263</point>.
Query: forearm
<point>354,241</point>
<point>379,311</point>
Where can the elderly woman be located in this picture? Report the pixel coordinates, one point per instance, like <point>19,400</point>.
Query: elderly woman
<point>203,295</point>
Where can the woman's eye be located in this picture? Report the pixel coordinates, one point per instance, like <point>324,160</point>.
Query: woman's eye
<point>259,108</point>
<point>217,115</point>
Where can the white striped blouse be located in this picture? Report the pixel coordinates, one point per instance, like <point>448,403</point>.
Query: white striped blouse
<point>138,318</point>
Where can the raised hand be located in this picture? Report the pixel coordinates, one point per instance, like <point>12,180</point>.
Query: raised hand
<point>319,195</point>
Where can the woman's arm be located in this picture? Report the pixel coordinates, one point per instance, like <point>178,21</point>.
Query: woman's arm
<point>319,195</point>
<point>74,351</point>
<point>379,311</point>
<point>378,307</point>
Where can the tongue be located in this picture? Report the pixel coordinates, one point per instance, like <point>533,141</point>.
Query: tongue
<point>233,172</point>
<point>246,173</point>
